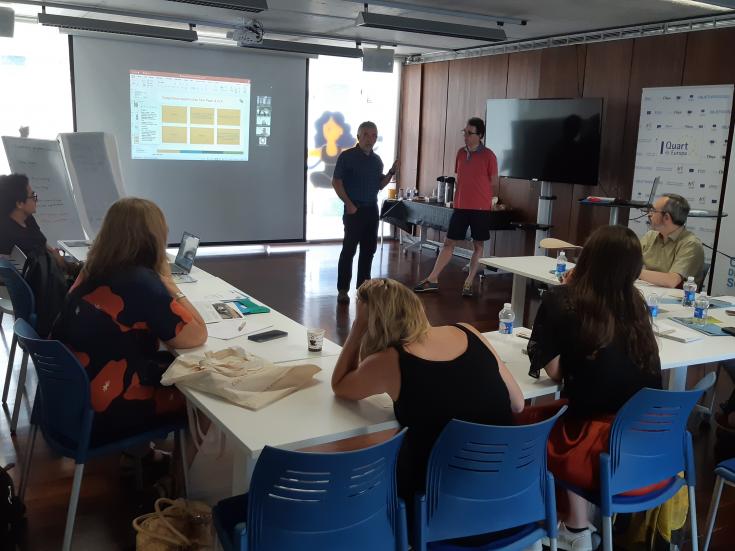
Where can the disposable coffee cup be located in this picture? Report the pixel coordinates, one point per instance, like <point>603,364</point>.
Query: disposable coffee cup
<point>315,338</point>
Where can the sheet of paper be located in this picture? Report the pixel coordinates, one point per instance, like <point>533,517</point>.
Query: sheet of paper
<point>230,329</point>
<point>214,312</point>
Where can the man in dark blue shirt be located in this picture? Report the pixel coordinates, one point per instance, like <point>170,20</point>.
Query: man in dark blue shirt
<point>357,179</point>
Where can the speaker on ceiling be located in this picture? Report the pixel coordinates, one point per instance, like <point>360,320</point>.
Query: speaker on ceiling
<point>377,60</point>
<point>7,21</point>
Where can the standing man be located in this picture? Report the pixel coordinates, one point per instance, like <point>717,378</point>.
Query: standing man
<point>358,176</point>
<point>477,180</point>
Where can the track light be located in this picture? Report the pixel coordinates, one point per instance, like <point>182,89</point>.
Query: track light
<point>426,26</point>
<point>254,6</point>
<point>305,48</point>
<point>115,27</point>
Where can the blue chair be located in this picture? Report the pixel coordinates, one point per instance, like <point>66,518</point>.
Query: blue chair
<point>725,472</point>
<point>63,411</point>
<point>300,500</point>
<point>484,478</point>
<point>649,443</point>
<point>21,296</point>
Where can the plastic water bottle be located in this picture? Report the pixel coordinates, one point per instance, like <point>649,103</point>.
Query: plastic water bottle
<point>561,263</point>
<point>506,317</point>
<point>690,292</point>
<point>652,303</point>
<point>701,308</point>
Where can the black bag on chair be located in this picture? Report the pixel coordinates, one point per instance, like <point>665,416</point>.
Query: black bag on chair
<point>49,285</point>
<point>12,511</point>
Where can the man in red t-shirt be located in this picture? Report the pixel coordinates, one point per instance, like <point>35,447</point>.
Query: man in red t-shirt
<point>477,176</point>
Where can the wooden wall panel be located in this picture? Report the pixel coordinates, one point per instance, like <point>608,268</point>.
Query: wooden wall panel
<point>410,118</point>
<point>709,58</point>
<point>607,75</point>
<point>432,124</point>
<point>471,82</point>
<point>562,76</point>
<point>657,61</point>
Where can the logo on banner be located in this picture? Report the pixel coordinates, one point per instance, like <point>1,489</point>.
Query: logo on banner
<point>670,147</point>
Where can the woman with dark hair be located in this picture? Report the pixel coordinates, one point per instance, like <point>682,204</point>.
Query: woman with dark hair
<point>593,333</point>
<point>17,225</point>
<point>332,136</point>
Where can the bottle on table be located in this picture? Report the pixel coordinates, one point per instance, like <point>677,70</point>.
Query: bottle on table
<point>690,292</point>
<point>506,317</point>
<point>561,263</point>
<point>701,309</point>
<point>652,301</point>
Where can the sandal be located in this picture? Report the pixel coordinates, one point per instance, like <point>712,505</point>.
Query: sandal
<point>425,286</point>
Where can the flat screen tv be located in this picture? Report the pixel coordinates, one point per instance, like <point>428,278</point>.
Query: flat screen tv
<point>552,140</point>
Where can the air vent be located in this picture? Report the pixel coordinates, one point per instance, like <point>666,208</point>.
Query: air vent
<point>254,6</point>
<point>115,27</point>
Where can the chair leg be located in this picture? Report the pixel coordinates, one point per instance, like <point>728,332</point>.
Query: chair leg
<point>607,539</point>
<point>71,513</point>
<point>11,361</point>
<point>181,437</point>
<point>712,513</point>
<point>693,518</point>
<point>27,463</point>
<point>19,393</point>
<point>552,544</point>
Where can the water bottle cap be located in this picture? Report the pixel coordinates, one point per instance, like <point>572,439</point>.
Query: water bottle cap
<point>506,305</point>
<point>690,278</point>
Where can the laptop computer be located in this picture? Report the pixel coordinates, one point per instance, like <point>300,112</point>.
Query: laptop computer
<point>185,256</point>
<point>651,197</point>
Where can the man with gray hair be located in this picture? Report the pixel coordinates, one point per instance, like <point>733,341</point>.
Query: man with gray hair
<point>358,177</point>
<point>671,253</point>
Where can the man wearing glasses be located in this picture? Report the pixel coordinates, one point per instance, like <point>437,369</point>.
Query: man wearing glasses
<point>671,253</point>
<point>477,180</point>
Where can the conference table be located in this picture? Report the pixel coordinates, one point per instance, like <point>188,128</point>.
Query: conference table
<point>675,356</point>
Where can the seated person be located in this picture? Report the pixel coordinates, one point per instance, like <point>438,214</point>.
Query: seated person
<point>433,374</point>
<point>671,253</point>
<point>121,307</point>
<point>593,333</point>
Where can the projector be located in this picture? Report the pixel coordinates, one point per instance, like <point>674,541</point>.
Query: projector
<point>250,32</point>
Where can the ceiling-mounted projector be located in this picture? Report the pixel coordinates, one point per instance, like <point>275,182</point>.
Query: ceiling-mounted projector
<point>250,32</point>
<point>254,6</point>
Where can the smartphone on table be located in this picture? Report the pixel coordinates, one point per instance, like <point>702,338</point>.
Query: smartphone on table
<point>267,335</point>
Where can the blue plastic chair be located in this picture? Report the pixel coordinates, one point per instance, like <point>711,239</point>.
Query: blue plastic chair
<point>63,411</point>
<point>484,478</point>
<point>21,296</point>
<point>649,443</point>
<point>725,472</point>
<point>300,500</point>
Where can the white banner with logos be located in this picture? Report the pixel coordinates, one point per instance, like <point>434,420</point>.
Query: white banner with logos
<point>682,138</point>
<point>723,282</point>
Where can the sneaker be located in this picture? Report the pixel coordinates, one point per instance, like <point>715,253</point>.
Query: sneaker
<point>425,286</point>
<point>467,290</point>
<point>343,297</point>
<point>575,541</point>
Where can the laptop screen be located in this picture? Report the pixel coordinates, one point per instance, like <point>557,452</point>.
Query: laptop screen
<point>187,251</point>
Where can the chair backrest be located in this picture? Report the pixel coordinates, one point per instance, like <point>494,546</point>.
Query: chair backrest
<point>20,292</point>
<point>346,500</point>
<point>485,478</point>
<point>62,407</point>
<point>649,440</point>
<point>19,259</point>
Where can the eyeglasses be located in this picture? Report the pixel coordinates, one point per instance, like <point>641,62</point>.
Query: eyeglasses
<point>466,133</point>
<point>33,196</point>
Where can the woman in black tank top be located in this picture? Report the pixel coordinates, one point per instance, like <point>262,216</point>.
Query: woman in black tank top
<point>433,374</point>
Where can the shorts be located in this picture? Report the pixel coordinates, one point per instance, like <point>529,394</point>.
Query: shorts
<point>477,220</point>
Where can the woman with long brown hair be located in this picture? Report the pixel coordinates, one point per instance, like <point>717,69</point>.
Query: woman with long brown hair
<point>595,335</point>
<point>123,305</point>
<point>433,374</point>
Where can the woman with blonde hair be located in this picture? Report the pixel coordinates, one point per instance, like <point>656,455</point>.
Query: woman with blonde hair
<point>433,374</point>
<point>122,306</point>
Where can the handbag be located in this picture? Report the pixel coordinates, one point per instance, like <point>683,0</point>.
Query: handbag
<point>176,525</point>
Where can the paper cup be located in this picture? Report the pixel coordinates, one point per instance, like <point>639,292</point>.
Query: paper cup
<point>315,339</point>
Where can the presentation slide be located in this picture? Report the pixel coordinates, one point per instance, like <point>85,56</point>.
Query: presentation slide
<point>189,117</point>
<point>214,135</point>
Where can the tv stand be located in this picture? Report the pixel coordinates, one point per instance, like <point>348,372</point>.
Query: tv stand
<point>543,216</point>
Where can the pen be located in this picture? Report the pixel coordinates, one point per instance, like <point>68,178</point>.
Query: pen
<point>242,326</point>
